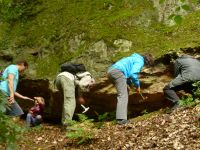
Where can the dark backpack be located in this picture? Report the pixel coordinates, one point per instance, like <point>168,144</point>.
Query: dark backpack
<point>72,68</point>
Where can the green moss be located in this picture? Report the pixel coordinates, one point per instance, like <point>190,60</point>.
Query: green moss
<point>50,25</point>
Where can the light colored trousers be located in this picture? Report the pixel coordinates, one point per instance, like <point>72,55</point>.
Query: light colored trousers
<point>67,87</point>
<point>120,82</point>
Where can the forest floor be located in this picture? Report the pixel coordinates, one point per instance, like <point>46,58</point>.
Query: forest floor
<point>179,130</point>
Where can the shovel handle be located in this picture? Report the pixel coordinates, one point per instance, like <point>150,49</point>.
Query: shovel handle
<point>142,96</point>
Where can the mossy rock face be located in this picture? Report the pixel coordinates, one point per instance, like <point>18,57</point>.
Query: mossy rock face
<point>48,33</point>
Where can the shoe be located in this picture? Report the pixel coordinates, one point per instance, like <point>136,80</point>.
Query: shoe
<point>174,108</point>
<point>122,121</point>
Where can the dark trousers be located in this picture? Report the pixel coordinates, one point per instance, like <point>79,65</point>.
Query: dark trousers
<point>170,93</point>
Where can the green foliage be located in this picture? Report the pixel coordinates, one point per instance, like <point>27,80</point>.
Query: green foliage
<point>101,119</point>
<point>83,131</point>
<point>186,7</point>
<point>178,19</point>
<point>107,116</point>
<point>81,136</point>
<point>190,100</point>
<point>175,16</point>
<point>145,111</point>
<point>161,1</point>
<point>84,118</point>
<point>104,117</point>
<point>10,131</point>
<point>197,89</point>
<point>195,1</point>
<point>48,27</point>
<point>182,1</point>
<point>11,10</point>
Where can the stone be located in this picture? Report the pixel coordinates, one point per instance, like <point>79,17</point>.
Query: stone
<point>123,45</point>
<point>156,70</point>
<point>100,48</point>
<point>76,42</point>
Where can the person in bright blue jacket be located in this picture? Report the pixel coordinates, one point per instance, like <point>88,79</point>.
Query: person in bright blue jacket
<point>123,72</point>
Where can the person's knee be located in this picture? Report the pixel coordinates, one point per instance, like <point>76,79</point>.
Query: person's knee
<point>29,115</point>
<point>38,120</point>
<point>39,117</point>
<point>166,88</point>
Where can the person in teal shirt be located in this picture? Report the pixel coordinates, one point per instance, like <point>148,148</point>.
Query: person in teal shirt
<point>8,87</point>
<point>123,72</point>
<point>11,69</point>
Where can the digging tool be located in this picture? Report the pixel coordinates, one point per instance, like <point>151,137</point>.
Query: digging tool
<point>96,113</point>
<point>143,98</point>
<point>85,109</point>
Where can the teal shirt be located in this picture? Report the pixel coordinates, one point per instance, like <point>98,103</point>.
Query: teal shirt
<point>11,69</point>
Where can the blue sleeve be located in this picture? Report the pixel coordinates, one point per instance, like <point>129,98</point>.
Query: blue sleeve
<point>134,73</point>
<point>12,70</point>
<point>129,82</point>
<point>135,80</point>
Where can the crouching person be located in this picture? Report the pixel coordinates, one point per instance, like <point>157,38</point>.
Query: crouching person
<point>186,72</point>
<point>34,117</point>
<point>66,83</point>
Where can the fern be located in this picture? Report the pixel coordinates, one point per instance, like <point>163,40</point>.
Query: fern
<point>83,132</point>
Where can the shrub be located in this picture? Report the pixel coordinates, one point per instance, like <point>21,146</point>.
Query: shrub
<point>9,131</point>
<point>190,100</point>
<point>197,88</point>
<point>81,135</point>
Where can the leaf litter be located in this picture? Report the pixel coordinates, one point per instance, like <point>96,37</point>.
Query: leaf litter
<point>179,130</point>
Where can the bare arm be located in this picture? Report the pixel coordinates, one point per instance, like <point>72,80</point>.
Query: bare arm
<point>11,88</point>
<point>22,97</point>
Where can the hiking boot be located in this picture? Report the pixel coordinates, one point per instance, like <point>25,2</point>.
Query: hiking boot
<point>122,121</point>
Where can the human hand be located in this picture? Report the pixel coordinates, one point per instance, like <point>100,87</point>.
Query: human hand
<point>11,99</point>
<point>81,100</point>
<point>138,90</point>
<point>30,112</point>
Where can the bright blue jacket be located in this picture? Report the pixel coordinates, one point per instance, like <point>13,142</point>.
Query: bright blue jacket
<point>131,67</point>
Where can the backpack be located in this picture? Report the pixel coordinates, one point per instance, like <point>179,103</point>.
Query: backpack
<point>72,68</point>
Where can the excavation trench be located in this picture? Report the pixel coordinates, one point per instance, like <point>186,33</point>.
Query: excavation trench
<point>102,98</point>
